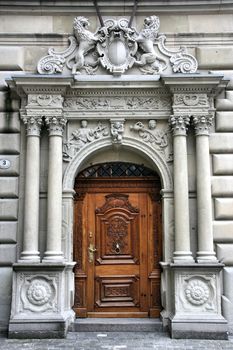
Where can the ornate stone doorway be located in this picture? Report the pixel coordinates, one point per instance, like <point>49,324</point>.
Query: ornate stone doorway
<point>117,241</point>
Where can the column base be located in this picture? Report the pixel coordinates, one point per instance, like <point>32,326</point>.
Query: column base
<point>41,300</point>
<point>53,256</point>
<point>30,256</point>
<point>39,329</point>
<point>183,257</point>
<point>196,309</point>
<point>206,257</point>
<point>198,329</point>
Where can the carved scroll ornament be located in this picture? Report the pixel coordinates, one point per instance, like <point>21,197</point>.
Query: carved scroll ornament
<point>117,47</point>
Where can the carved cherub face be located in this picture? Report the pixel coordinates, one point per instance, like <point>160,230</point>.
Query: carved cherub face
<point>83,123</point>
<point>152,124</point>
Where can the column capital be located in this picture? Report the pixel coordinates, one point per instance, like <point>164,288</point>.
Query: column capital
<point>202,124</point>
<point>179,124</point>
<point>33,124</point>
<point>56,125</point>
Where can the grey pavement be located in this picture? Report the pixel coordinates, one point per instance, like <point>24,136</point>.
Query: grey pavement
<point>115,341</point>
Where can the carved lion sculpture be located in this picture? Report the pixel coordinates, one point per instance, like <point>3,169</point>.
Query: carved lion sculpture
<point>86,41</point>
<point>145,40</point>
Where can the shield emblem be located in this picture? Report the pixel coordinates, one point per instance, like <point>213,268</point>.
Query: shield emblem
<point>118,46</point>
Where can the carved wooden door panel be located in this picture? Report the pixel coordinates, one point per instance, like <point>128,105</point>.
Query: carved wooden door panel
<point>116,273</point>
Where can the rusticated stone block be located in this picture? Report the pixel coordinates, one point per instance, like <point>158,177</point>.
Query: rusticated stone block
<point>221,143</point>
<point>223,164</point>
<point>222,186</point>
<point>10,144</point>
<point>223,231</point>
<point>8,209</point>
<point>223,208</point>
<point>8,187</point>
<point>12,168</point>
<point>9,122</point>
<point>8,231</point>
<point>224,121</point>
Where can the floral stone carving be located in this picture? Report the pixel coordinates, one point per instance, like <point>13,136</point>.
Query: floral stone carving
<point>197,292</point>
<point>81,137</point>
<point>158,139</point>
<point>117,47</point>
<point>38,294</point>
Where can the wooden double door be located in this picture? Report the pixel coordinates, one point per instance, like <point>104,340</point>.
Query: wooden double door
<point>117,247</point>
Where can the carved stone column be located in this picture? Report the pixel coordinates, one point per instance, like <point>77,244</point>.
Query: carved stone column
<point>181,197</point>
<point>54,217</point>
<point>31,212</point>
<point>204,205</point>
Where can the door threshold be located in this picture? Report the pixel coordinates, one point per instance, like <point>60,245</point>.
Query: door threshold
<point>116,325</point>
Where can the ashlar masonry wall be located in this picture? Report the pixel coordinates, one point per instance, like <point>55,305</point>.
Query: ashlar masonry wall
<point>221,150</point>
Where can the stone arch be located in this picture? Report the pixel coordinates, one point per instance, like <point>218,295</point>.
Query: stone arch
<point>158,162</point>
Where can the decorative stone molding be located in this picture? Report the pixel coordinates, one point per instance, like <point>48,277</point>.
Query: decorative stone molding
<point>202,124</point>
<point>118,102</point>
<point>179,124</point>
<point>45,100</point>
<point>88,50</point>
<point>117,130</point>
<point>38,293</point>
<point>82,136</point>
<point>158,139</point>
<point>191,100</point>
<point>56,125</point>
<point>131,143</point>
<point>33,124</point>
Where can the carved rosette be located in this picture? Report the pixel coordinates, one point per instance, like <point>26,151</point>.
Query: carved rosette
<point>38,294</point>
<point>33,125</point>
<point>56,125</point>
<point>197,292</point>
<point>202,124</point>
<point>179,124</point>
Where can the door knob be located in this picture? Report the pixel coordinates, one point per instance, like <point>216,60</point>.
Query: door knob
<point>91,251</point>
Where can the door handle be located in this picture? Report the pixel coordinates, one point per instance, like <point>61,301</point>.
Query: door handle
<point>91,251</point>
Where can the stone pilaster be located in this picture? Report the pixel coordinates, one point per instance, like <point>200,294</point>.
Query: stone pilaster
<point>31,212</point>
<point>179,126</point>
<point>56,125</point>
<point>205,252</point>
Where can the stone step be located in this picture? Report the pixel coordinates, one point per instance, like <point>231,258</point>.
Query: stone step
<point>116,325</point>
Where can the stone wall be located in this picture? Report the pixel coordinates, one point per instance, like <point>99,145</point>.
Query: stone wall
<point>9,193</point>
<point>221,150</point>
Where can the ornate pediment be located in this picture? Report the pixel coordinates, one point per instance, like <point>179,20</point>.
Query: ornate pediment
<point>116,47</point>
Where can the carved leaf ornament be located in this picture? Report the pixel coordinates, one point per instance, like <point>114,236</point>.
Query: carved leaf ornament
<point>117,47</point>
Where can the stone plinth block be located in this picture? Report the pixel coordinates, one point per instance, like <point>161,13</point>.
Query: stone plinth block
<point>197,302</point>
<point>40,301</point>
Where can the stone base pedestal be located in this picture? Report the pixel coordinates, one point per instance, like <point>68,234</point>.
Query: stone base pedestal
<point>198,329</point>
<point>197,302</point>
<point>42,300</point>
